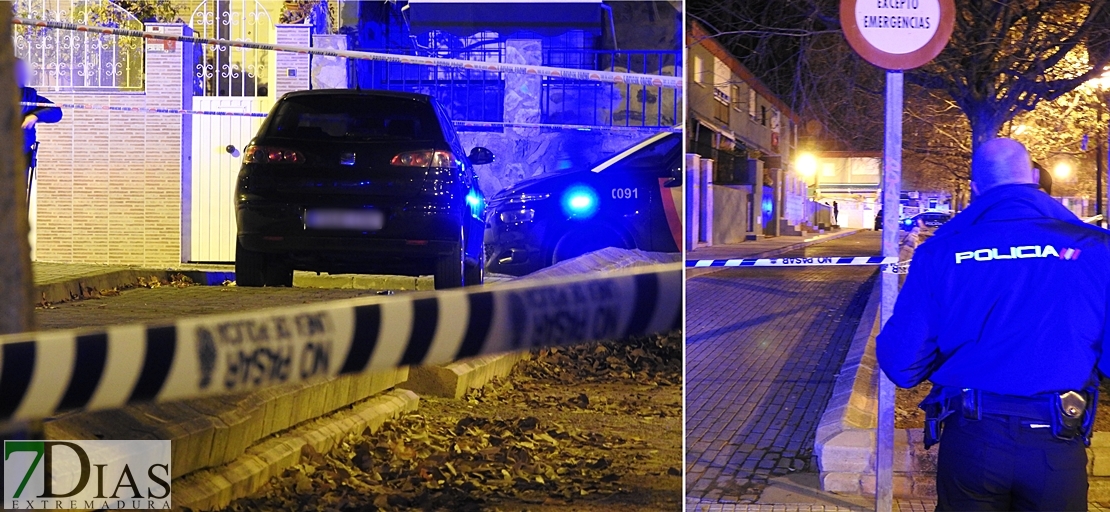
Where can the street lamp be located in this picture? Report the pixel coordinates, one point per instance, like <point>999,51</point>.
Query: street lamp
<point>1062,170</point>
<point>807,165</point>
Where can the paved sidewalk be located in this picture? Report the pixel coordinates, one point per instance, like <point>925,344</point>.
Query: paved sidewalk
<point>763,348</point>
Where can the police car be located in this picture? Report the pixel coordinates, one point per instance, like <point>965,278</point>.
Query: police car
<point>930,220</point>
<point>630,200</point>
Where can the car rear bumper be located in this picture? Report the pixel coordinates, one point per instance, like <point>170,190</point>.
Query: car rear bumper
<point>407,222</point>
<point>358,248</point>
<point>408,244</point>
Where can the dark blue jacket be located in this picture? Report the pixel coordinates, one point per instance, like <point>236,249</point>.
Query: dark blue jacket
<point>45,114</point>
<point>1010,296</point>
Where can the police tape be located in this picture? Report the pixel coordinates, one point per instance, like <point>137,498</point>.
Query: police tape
<point>472,124</point>
<point>45,373</point>
<point>887,264</point>
<point>670,82</point>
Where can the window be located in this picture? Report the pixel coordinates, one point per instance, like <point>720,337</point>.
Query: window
<point>721,73</point>
<point>751,103</point>
<point>763,115</point>
<point>699,69</point>
<point>355,117</point>
<point>736,103</point>
<point>721,111</point>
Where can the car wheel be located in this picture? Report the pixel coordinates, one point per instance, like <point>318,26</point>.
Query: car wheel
<point>577,242</point>
<point>250,267</point>
<point>254,269</point>
<point>279,272</point>
<point>474,272</point>
<point>449,272</point>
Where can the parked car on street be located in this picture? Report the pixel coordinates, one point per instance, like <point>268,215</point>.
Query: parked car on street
<point>347,181</point>
<point>627,200</point>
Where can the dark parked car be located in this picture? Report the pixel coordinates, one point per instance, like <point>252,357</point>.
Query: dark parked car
<point>361,182</point>
<point>627,200</point>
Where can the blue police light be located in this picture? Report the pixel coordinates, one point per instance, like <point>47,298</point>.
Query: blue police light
<point>580,202</point>
<point>474,199</point>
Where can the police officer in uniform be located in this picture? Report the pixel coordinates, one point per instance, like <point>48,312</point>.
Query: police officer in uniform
<point>1005,311</point>
<point>35,110</point>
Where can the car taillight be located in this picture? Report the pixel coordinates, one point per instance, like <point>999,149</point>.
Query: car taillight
<point>426,158</point>
<point>271,155</point>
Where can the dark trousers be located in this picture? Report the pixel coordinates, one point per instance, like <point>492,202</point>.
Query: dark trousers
<point>27,161</point>
<point>1001,463</point>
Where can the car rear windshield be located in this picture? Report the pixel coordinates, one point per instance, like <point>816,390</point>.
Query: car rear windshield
<point>361,118</point>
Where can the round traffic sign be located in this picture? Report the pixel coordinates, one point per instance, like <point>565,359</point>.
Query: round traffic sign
<point>897,34</point>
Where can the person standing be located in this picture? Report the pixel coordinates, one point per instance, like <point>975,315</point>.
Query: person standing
<point>33,113</point>
<point>836,214</point>
<point>1015,376</point>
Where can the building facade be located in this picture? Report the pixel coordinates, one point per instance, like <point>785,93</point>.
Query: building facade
<point>150,182</point>
<point>751,136</point>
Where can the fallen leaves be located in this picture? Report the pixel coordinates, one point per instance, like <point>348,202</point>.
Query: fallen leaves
<point>413,463</point>
<point>176,281</point>
<point>509,443</point>
<point>655,360</point>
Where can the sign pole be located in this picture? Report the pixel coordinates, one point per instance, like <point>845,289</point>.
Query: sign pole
<point>892,192</point>
<point>896,37</point>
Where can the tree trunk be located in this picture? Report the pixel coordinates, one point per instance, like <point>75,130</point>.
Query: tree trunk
<point>16,284</point>
<point>984,127</point>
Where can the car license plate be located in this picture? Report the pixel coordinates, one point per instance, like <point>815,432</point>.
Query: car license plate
<point>354,220</point>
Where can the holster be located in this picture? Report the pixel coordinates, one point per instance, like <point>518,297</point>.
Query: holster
<point>937,407</point>
<point>1073,414</point>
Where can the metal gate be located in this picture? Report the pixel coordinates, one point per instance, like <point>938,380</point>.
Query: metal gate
<point>227,80</point>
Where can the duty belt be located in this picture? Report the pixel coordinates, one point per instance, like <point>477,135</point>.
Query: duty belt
<point>993,404</point>
<point>1070,414</point>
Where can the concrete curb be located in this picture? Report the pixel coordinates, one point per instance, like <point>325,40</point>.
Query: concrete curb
<point>88,287</point>
<point>214,431</point>
<point>360,282</point>
<point>218,487</point>
<point>698,272</point>
<point>456,379</point>
<point>845,440</point>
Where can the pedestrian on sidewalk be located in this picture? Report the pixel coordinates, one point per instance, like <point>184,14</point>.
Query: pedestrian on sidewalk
<point>1015,377</point>
<point>33,113</point>
<point>836,214</point>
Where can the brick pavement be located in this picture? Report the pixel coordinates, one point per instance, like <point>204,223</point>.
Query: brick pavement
<point>763,348</point>
<point>168,303</point>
